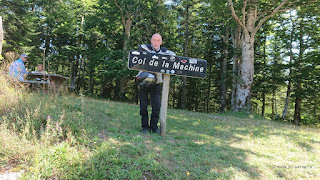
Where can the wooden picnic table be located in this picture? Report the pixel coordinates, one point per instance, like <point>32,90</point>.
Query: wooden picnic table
<point>50,77</point>
<point>53,81</point>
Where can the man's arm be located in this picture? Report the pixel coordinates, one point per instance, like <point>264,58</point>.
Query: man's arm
<point>144,47</point>
<point>170,53</point>
<point>22,69</point>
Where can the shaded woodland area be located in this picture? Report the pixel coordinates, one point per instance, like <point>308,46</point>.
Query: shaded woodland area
<point>263,56</point>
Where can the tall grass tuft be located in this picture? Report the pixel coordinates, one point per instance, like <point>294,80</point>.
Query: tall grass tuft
<point>16,152</point>
<point>11,91</point>
<point>31,123</point>
<point>15,148</point>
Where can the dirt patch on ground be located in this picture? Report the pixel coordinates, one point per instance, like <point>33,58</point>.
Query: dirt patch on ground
<point>10,175</point>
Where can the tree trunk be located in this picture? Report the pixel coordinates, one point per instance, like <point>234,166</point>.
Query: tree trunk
<point>76,71</point>
<point>136,91</point>
<point>123,87</point>
<point>315,105</point>
<point>47,42</point>
<point>275,105</point>
<point>246,71</point>
<point>264,89</point>
<point>263,103</point>
<point>184,79</point>
<point>183,93</point>
<point>209,85</point>
<point>80,72</point>
<point>80,57</point>
<point>84,65</point>
<point>173,94</point>
<point>124,80</point>
<point>286,105</point>
<point>236,40</point>
<point>1,35</point>
<point>127,19</point>
<point>297,107</point>
<point>224,72</point>
<point>73,74</point>
<point>272,105</point>
<point>298,100</point>
<point>91,80</point>
<point>196,102</point>
<point>127,24</point>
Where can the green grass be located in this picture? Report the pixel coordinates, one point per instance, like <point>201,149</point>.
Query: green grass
<point>67,137</point>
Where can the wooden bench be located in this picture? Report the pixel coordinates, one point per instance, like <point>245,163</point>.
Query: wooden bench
<point>36,82</point>
<point>37,85</point>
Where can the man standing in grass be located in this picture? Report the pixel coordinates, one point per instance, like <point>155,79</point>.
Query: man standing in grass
<point>17,69</point>
<point>154,89</point>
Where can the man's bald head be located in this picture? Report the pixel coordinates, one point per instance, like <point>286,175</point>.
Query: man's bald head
<point>156,41</point>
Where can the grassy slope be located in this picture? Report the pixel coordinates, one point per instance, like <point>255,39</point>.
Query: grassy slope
<point>101,139</point>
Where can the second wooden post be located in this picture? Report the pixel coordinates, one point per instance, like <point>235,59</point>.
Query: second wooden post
<point>164,104</point>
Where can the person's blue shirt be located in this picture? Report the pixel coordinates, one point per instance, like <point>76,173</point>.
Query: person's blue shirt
<point>18,70</point>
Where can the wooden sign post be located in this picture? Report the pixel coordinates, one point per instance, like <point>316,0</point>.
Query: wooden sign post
<point>167,65</point>
<point>44,69</point>
<point>164,104</point>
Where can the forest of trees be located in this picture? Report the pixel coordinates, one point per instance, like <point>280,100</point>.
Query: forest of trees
<point>262,55</point>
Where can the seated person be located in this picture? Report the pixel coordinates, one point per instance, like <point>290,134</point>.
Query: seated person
<point>40,69</point>
<point>17,69</point>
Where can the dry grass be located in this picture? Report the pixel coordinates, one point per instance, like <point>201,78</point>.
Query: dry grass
<point>66,137</point>
<point>15,150</point>
<point>11,91</point>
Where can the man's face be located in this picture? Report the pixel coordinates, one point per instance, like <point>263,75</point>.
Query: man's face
<point>40,67</point>
<point>156,41</point>
<point>24,59</point>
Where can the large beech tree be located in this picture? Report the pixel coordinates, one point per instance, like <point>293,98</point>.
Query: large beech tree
<point>251,19</point>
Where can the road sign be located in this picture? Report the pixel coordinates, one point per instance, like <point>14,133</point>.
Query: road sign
<point>167,64</point>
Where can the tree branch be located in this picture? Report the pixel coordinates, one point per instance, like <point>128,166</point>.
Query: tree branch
<point>303,3</point>
<point>115,1</point>
<point>234,15</point>
<point>138,9</point>
<point>268,16</point>
<point>121,10</point>
<point>244,11</point>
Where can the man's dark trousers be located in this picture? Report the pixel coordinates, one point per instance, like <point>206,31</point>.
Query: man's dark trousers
<point>154,92</point>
